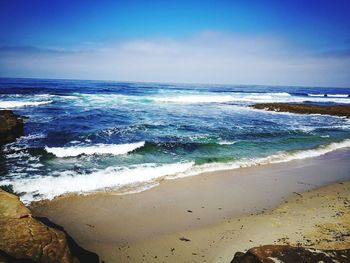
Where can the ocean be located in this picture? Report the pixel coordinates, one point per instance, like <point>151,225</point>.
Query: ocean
<point>88,136</point>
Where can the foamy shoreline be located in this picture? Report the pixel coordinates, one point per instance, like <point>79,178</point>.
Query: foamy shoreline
<point>102,222</point>
<point>143,177</point>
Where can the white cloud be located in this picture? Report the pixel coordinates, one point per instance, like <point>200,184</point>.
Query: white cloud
<point>209,57</point>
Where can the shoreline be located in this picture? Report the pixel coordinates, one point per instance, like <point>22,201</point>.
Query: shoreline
<point>190,170</point>
<point>104,222</point>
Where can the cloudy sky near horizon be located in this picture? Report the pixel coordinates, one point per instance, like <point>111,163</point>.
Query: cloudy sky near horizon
<point>226,42</point>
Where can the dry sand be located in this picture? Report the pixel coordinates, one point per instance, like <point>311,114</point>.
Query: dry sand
<point>215,214</point>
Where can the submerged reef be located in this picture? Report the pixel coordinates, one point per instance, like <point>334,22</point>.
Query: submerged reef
<point>302,108</point>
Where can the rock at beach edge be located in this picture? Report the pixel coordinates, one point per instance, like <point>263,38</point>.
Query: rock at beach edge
<point>26,239</point>
<point>290,254</point>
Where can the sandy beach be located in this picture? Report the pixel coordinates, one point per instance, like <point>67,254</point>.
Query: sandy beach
<point>175,131</point>
<point>209,217</point>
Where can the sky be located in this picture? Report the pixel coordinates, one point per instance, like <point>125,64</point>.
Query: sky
<point>301,43</point>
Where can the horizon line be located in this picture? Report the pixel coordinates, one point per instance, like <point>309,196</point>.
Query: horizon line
<point>178,83</point>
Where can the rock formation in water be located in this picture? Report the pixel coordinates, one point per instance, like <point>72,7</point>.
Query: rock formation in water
<point>305,108</point>
<point>11,126</point>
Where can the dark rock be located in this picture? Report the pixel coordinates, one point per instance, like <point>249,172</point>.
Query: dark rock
<point>26,239</point>
<point>341,110</point>
<point>82,254</point>
<point>11,126</point>
<point>289,254</point>
<point>5,258</point>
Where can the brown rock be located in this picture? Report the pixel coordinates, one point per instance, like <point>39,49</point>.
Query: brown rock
<point>28,239</point>
<point>342,110</point>
<point>289,254</point>
<point>11,126</point>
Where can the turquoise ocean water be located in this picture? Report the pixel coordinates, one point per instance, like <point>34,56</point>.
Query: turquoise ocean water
<point>85,136</point>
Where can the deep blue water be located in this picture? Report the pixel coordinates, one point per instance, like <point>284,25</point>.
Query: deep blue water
<point>83,136</point>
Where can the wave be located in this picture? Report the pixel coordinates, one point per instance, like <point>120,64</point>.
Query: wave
<point>338,95</point>
<point>18,104</point>
<point>250,98</point>
<point>226,142</point>
<point>210,98</point>
<point>187,146</point>
<point>115,178</point>
<point>195,99</point>
<point>139,177</point>
<point>115,149</point>
<point>81,99</point>
<point>283,94</point>
<point>275,158</point>
<point>315,95</point>
<point>32,137</point>
<point>330,95</point>
<point>62,96</point>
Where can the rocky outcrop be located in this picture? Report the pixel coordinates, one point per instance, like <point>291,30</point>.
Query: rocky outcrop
<point>289,254</point>
<point>342,110</point>
<point>11,126</point>
<point>26,239</point>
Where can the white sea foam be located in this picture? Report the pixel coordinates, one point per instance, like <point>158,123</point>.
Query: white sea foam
<point>303,154</point>
<point>316,95</point>
<point>247,98</point>
<point>275,158</point>
<point>56,96</point>
<point>226,142</point>
<point>19,104</point>
<point>115,149</point>
<point>233,97</point>
<point>33,136</point>
<point>17,155</point>
<point>329,95</point>
<point>180,98</point>
<point>200,97</point>
<point>75,142</point>
<point>195,99</point>
<point>110,178</point>
<point>115,178</point>
<point>338,95</point>
<point>36,165</point>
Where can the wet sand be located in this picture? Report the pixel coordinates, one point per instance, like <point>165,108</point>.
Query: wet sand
<point>207,218</point>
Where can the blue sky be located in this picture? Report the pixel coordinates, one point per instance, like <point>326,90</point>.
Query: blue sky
<point>237,42</point>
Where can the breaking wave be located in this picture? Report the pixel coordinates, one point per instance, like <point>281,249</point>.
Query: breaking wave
<point>250,98</point>
<point>114,177</point>
<point>114,149</point>
<point>330,95</point>
<point>275,158</point>
<point>140,176</point>
<point>19,104</point>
